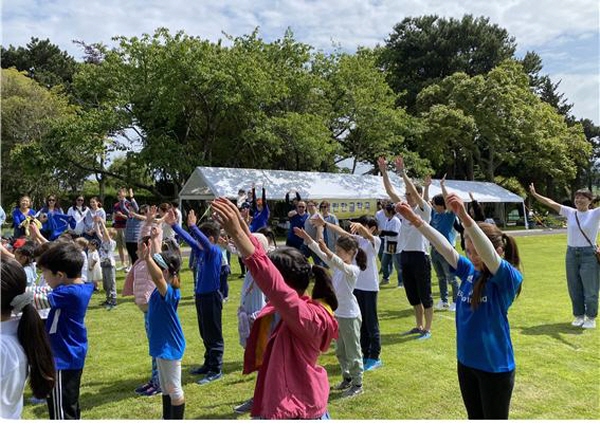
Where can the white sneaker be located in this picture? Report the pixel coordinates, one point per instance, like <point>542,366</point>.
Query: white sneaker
<point>452,307</point>
<point>589,323</point>
<point>441,305</point>
<point>577,322</point>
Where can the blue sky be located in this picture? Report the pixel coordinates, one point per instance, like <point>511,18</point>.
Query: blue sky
<point>564,32</point>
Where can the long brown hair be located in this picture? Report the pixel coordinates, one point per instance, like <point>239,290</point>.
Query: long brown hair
<point>511,255</point>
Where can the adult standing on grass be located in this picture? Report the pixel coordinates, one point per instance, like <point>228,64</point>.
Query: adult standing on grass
<point>297,218</point>
<point>20,214</point>
<point>583,270</point>
<point>120,215</point>
<point>78,211</point>
<point>414,248</point>
<point>45,215</point>
<point>490,283</point>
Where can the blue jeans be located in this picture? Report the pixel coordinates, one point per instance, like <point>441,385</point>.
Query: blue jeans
<point>444,275</point>
<point>583,277</point>
<point>388,261</point>
<point>154,375</point>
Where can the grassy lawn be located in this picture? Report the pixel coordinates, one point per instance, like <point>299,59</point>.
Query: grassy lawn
<point>558,367</point>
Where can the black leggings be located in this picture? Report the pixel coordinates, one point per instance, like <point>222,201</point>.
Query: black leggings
<point>486,394</point>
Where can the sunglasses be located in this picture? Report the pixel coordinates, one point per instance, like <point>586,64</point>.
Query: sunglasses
<point>52,200</point>
<point>80,200</point>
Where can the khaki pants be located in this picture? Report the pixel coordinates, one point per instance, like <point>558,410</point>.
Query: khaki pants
<point>348,349</point>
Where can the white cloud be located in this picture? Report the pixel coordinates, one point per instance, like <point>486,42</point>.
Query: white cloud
<point>547,26</point>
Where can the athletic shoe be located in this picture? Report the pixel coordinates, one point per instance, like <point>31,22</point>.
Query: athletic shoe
<point>199,370</point>
<point>578,321</point>
<point>345,384</point>
<point>36,401</point>
<point>589,323</point>
<point>352,391</point>
<point>452,307</point>
<point>425,335</point>
<point>121,268</point>
<point>441,305</point>
<point>384,281</point>
<point>372,364</point>
<point>412,331</point>
<point>141,389</point>
<point>152,391</point>
<point>400,286</point>
<point>210,377</point>
<point>244,407</point>
<point>111,305</point>
<point>105,303</point>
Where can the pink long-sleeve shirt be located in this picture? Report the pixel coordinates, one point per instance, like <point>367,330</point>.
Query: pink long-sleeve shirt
<point>290,384</point>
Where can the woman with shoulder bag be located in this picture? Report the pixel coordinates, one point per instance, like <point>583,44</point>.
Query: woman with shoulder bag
<point>582,259</point>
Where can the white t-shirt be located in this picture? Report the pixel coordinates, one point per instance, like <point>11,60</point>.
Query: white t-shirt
<point>343,281</point>
<point>589,221</point>
<point>368,280</point>
<point>391,244</point>
<point>411,240</point>
<point>13,370</point>
<point>380,218</point>
<point>84,269</point>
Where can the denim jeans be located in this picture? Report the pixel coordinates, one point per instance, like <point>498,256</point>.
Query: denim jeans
<point>154,376</point>
<point>583,277</point>
<point>388,261</point>
<point>444,275</point>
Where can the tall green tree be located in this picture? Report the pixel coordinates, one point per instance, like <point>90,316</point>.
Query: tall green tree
<point>424,50</point>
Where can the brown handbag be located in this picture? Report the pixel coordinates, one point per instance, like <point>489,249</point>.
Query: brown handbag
<point>597,249</point>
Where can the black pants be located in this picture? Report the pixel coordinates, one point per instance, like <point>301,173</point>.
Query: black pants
<point>224,284</point>
<point>63,402</point>
<point>242,266</point>
<point>370,340</point>
<point>132,250</point>
<point>416,275</point>
<point>486,394</point>
<point>209,307</point>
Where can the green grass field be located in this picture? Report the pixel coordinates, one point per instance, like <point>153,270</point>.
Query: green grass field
<point>558,366</point>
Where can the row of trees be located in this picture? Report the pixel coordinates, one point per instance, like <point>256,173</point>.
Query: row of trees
<point>448,94</point>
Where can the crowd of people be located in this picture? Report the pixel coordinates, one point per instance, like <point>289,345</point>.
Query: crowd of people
<point>282,328</point>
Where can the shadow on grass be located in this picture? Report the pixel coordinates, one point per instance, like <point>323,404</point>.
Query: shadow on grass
<point>556,331</point>
<point>395,314</point>
<point>228,369</point>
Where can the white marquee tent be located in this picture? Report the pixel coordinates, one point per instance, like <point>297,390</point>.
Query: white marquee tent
<point>207,183</point>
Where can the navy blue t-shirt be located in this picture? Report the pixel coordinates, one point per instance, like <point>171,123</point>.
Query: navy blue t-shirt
<point>296,221</point>
<point>164,328</point>
<point>483,335</point>
<point>65,324</point>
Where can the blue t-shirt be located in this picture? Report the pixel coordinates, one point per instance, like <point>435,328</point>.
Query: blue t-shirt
<point>296,221</point>
<point>260,219</point>
<point>483,335</point>
<point>164,328</point>
<point>65,324</point>
<point>444,223</point>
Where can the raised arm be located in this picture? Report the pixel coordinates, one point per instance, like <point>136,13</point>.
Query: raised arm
<point>318,221</point>
<point>426,184</point>
<point>361,230</point>
<point>154,270</point>
<point>387,184</point>
<point>482,244</point>
<point>410,187</point>
<point>545,200</point>
<point>101,229</point>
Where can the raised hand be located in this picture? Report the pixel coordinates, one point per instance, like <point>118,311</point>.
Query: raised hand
<point>130,193</point>
<point>154,232</point>
<point>407,212</point>
<point>382,163</point>
<point>456,204</point>
<point>302,234</point>
<point>145,250</point>
<point>427,181</point>
<point>532,189</point>
<point>399,162</point>
<point>191,218</point>
<point>323,246</point>
<point>317,220</point>
<point>357,228</point>
<point>227,215</point>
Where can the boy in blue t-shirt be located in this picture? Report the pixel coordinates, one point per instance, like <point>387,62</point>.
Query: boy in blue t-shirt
<point>69,299</point>
<point>208,297</point>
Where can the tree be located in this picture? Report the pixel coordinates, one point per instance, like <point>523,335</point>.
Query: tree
<point>29,112</point>
<point>42,61</point>
<point>424,50</point>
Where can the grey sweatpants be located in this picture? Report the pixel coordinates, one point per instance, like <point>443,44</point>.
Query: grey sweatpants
<point>348,349</point>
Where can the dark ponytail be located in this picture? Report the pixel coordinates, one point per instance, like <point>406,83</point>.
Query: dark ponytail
<point>511,255</point>
<point>323,287</point>
<point>31,332</point>
<point>349,244</point>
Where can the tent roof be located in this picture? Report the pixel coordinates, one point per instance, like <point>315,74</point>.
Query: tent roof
<point>209,182</point>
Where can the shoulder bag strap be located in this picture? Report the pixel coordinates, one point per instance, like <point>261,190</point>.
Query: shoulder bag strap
<point>584,235</point>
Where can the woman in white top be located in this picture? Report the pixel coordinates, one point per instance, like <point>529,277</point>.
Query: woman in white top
<point>24,345</point>
<point>94,210</point>
<point>78,211</point>
<point>583,270</point>
<point>347,262</point>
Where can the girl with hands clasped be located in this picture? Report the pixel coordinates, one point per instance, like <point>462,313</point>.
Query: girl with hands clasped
<point>490,282</point>
<point>165,334</point>
<point>297,387</point>
<point>346,263</point>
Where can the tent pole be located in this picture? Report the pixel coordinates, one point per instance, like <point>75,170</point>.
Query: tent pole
<point>525,217</point>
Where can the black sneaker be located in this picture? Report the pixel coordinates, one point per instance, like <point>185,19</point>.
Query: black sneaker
<point>353,391</point>
<point>345,384</point>
<point>244,407</point>
<point>210,377</point>
<point>141,389</point>
<point>199,370</point>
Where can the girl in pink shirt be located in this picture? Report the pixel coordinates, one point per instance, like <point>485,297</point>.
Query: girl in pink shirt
<point>290,384</point>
